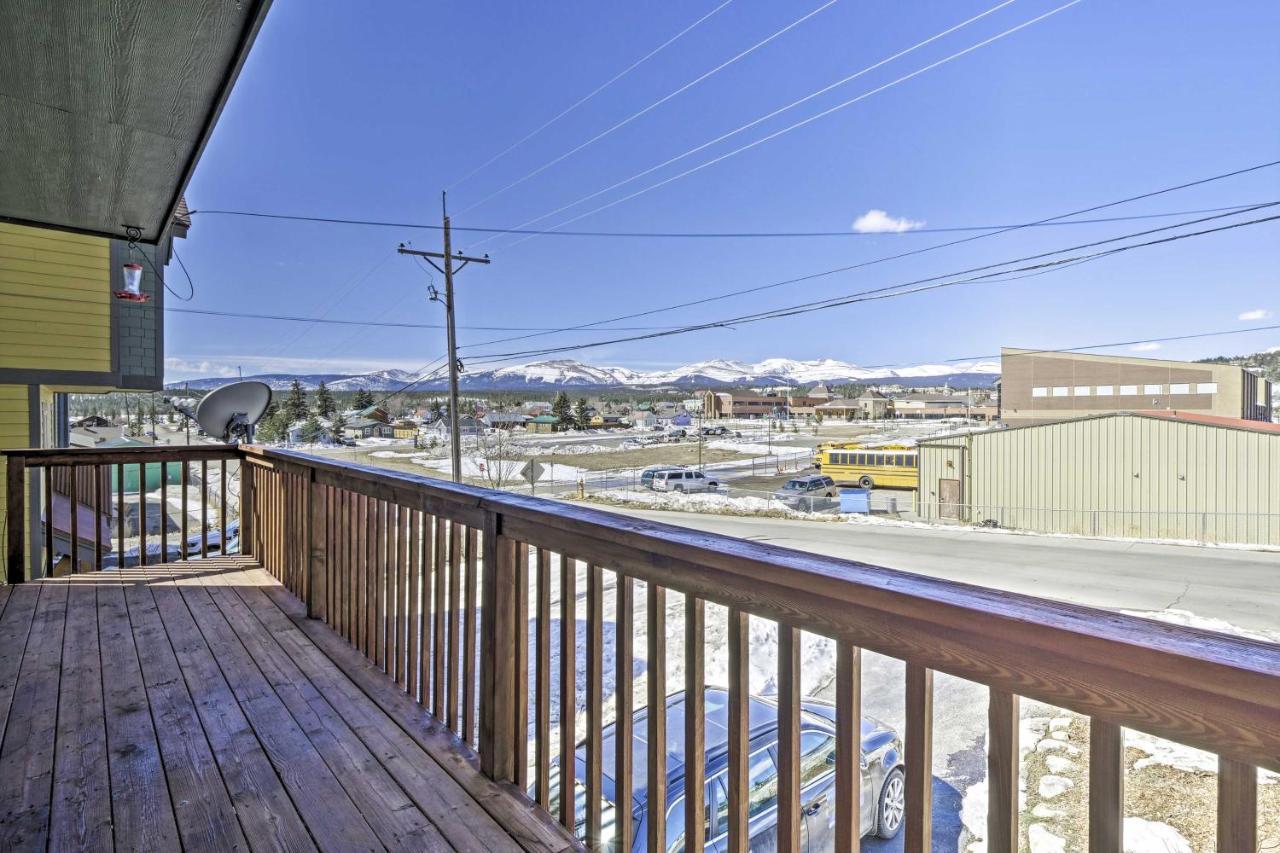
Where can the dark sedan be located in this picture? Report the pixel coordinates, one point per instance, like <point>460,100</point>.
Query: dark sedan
<point>883,790</point>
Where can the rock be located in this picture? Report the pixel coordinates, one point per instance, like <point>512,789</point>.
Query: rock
<point>1045,813</point>
<point>1059,765</point>
<point>1059,734</point>
<point>1051,745</point>
<point>1042,840</point>
<point>1147,836</point>
<point>1053,786</point>
<point>1058,723</point>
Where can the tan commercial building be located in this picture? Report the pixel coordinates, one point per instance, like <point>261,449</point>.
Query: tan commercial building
<point>1038,386</point>
<point>1160,475</point>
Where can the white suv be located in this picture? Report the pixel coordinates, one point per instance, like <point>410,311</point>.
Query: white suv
<point>683,481</point>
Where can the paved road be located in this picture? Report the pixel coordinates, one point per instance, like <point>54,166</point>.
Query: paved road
<point>1238,586</point>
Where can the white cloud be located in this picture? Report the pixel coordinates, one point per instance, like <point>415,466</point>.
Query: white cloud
<point>1145,347</point>
<point>879,222</point>
<point>1256,314</point>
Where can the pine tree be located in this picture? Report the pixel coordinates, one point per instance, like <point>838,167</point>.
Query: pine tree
<point>580,413</point>
<point>325,405</point>
<point>295,405</point>
<point>363,399</point>
<point>563,409</point>
<point>312,429</point>
<point>338,430</point>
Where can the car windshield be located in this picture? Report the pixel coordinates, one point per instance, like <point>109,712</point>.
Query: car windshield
<point>795,486</point>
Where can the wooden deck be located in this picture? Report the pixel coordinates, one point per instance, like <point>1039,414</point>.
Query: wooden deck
<point>194,706</point>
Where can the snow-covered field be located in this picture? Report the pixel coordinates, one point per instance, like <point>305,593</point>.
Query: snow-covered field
<point>482,469</point>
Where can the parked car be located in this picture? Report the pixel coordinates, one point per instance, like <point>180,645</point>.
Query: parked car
<point>883,780</point>
<point>812,486</point>
<point>715,430</point>
<point>646,476</point>
<point>683,481</point>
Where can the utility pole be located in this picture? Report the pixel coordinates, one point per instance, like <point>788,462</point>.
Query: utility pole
<point>447,257</point>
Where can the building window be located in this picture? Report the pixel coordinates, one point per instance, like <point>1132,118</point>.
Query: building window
<point>1152,389</point>
<point>1082,390</point>
<point>1128,390</point>
<point>1206,387</point>
<point>1105,390</point>
<point>1060,390</point>
<point>1179,388</point>
<point>1039,392</point>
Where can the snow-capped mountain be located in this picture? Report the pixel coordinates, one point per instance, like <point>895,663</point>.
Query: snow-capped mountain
<point>557,373</point>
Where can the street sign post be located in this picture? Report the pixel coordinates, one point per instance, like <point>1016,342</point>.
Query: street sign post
<point>530,473</point>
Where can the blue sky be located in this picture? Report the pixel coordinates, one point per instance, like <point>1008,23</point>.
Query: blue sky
<point>368,111</point>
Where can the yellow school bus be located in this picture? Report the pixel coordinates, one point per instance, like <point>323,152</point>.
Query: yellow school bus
<point>886,467</point>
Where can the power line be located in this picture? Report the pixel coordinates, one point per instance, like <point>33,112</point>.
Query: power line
<point>847,79</point>
<point>806,121</point>
<point>606,84</point>
<point>848,232</point>
<point>900,255</point>
<point>378,323</point>
<point>687,86</point>
<point>888,292</point>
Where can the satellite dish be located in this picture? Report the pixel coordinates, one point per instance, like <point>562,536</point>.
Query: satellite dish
<point>230,412</point>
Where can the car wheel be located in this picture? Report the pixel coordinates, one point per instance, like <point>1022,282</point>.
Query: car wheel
<point>866,483</point>
<point>679,488</point>
<point>893,802</point>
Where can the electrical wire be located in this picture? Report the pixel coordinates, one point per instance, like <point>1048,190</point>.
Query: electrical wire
<point>900,255</point>
<point>687,86</point>
<point>245,315</point>
<point>893,291</point>
<point>806,121</point>
<point>606,84</point>
<point>718,235</point>
<point>722,137</point>
<point>1167,339</point>
<point>160,278</point>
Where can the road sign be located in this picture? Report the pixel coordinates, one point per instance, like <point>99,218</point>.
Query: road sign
<point>531,471</point>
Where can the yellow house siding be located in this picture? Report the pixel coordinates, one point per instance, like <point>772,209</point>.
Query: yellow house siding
<point>14,427</point>
<point>55,301</point>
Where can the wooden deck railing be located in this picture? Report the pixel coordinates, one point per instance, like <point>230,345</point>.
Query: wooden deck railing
<point>413,570</point>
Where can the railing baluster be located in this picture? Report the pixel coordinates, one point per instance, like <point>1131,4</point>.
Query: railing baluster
<point>418,560</point>
<point>75,518</point>
<point>204,510</point>
<point>362,576</point>
<point>568,687</point>
<point>319,546</point>
<point>542,685</point>
<point>594,702</point>
<point>520,699</point>
<point>739,728</point>
<point>695,739</point>
<point>918,747</point>
<point>1106,787</point>
<point>120,516</point>
<point>472,613</point>
<point>404,556</point>
<point>185,477</point>
<point>164,512</point>
<point>97,518</point>
<point>656,718</point>
<point>848,793</point>
<point>497,674</point>
<point>789,816</point>
<point>1002,772</point>
<point>444,567</point>
<point>380,586</point>
<point>1237,807</point>
<point>222,504</point>
<point>47,480</point>
<point>372,578</point>
<point>624,682</point>
<point>15,524</point>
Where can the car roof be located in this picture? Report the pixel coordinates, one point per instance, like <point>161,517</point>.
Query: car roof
<point>762,719</point>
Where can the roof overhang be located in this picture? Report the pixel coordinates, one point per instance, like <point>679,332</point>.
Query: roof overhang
<point>106,108</point>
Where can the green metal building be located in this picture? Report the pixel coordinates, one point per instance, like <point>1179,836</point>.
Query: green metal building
<point>1159,475</point>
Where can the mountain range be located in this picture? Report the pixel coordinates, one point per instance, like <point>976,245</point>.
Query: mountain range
<point>568,373</point>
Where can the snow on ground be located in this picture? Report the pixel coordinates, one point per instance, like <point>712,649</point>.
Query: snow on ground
<point>480,468</point>
<point>708,502</point>
<point>1148,836</point>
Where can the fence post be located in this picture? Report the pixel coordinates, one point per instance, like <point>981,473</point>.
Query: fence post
<point>497,653</point>
<point>16,519</point>
<point>317,547</point>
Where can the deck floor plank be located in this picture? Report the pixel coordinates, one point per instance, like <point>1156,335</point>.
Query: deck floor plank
<point>26,758</point>
<point>396,819</point>
<point>81,816</point>
<point>266,812</point>
<point>193,706</point>
<point>206,817</point>
<point>141,807</point>
<point>460,819</point>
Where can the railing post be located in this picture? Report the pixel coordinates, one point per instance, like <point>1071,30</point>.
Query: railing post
<point>317,547</point>
<point>16,519</point>
<point>247,500</point>
<point>497,653</point>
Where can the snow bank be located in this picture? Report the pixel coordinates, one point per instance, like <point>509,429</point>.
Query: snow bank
<point>708,502</point>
